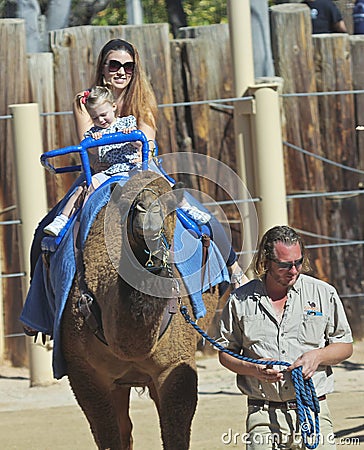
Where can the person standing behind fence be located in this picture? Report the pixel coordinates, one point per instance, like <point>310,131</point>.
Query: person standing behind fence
<point>358,17</point>
<point>326,17</point>
<point>283,315</point>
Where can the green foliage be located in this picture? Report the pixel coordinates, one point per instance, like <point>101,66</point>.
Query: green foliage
<point>205,12</point>
<point>199,12</point>
<point>155,11</point>
<point>113,14</point>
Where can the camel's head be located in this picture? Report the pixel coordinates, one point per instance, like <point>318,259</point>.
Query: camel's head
<point>152,213</point>
<point>148,203</point>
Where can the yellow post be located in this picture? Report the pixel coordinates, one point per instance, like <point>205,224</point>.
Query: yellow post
<point>269,162</point>
<point>243,74</point>
<point>32,206</point>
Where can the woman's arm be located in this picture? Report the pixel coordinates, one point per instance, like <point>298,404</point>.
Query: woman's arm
<point>147,130</point>
<point>149,134</point>
<point>83,120</point>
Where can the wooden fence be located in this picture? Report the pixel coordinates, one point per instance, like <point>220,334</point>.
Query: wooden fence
<point>196,67</point>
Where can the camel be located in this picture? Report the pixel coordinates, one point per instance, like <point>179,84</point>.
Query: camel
<point>139,349</point>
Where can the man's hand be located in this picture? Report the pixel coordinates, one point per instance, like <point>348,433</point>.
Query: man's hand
<point>309,362</point>
<point>328,356</point>
<point>268,374</point>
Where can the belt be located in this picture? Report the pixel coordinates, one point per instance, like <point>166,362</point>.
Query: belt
<point>290,404</point>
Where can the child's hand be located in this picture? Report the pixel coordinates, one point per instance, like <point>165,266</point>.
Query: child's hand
<point>138,157</point>
<point>136,144</point>
<point>96,134</point>
<point>128,130</point>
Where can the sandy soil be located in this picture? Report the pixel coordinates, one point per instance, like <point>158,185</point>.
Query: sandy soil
<point>48,418</point>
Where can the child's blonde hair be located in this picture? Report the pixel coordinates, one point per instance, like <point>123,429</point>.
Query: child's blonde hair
<point>94,96</point>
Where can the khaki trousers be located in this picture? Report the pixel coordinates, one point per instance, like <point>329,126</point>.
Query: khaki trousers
<point>270,428</point>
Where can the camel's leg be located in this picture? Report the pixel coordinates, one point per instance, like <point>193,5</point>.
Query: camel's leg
<point>95,399</point>
<point>154,395</point>
<point>121,402</point>
<point>178,400</point>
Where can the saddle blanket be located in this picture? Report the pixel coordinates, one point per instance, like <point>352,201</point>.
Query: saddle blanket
<point>47,296</point>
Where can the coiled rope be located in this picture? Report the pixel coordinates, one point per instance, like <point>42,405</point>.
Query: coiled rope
<point>307,401</point>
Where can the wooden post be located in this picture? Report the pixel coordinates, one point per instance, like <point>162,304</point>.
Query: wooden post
<point>243,75</point>
<point>14,90</point>
<point>42,91</point>
<point>304,174</point>
<point>333,73</point>
<point>357,64</point>
<point>32,191</point>
<point>208,128</point>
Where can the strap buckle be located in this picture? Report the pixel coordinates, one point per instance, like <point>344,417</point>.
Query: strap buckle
<point>292,404</point>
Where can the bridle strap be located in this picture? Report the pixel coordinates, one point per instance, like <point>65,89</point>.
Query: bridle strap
<point>87,304</point>
<point>206,241</point>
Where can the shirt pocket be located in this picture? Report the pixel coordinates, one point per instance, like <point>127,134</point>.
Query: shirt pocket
<point>311,331</point>
<point>257,332</point>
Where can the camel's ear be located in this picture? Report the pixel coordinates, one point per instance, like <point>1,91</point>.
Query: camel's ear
<point>121,202</point>
<point>116,192</point>
<point>124,205</point>
<point>179,191</point>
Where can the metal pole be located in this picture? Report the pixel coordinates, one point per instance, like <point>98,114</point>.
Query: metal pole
<point>241,44</point>
<point>134,12</point>
<point>243,74</point>
<point>32,206</point>
<point>269,162</point>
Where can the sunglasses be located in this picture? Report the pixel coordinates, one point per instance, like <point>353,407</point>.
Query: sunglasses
<point>288,265</point>
<point>114,66</point>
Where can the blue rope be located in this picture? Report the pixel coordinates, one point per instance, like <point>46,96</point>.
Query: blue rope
<point>306,397</point>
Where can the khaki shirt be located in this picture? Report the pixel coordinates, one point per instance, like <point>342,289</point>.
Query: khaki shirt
<point>313,317</point>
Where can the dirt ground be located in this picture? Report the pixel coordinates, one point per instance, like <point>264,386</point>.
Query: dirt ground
<point>48,418</point>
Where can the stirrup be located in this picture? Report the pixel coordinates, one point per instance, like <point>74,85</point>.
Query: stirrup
<point>30,331</point>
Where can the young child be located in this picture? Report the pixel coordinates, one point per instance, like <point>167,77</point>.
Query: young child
<point>108,160</point>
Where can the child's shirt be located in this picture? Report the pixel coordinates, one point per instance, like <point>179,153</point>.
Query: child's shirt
<point>121,157</point>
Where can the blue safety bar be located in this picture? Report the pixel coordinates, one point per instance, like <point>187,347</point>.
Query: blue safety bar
<point>108,139</point>
<point>89,142</point>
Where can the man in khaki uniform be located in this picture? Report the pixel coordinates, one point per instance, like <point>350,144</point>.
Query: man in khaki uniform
<point>285,316</point>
